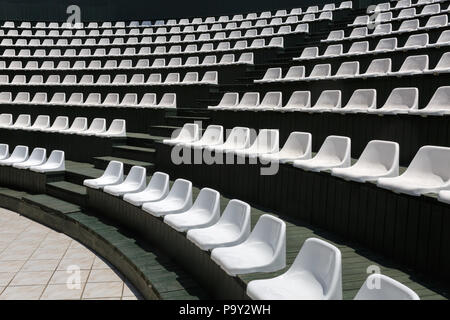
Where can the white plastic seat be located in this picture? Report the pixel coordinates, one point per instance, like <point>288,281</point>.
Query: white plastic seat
<point>79,125</point>
<point>93,99</point>
<point>168,100</point>
<point>430,9</point>
<point>333,50</point>
<point>248,100</point>
<point>130,99</point>
<point>360,32</point>
<point>98,125</point>
<point>54,163</point>
<point>358,48</point>
<point>111,176</point>
<point>75,98</point>
<point>443,40</point>
<point>346,70</point>
<point>134,182</point>
<point>443,65</point>
<point>428,172</point>
<point>378,68</point>
<point>229,99</point>
<point>379,159</point>
<point>213,135</point>
<point>361,101</point>
<point>116,129</point>
<point>401,100</point>
<point>22,121</point>
<point>263,251</point>
<point>38,156</point>
<point>382,29</point>
<point>111,100</point>
<point>389,289</point>
<point>204,212</point>
<point>308,53</point>
<point>231,229</point>
<point>210,77</point>
<point>416,41</point>
<point>294,73</point>
<point>438,105</point>
<point>413,65</point>
<point>444,196</point>
<point>335,152</point>
<point>327,101</point>
<point>408,26</point>
<point>157,189</point>
<point>147,100</point>
<point>385,45</point>
<point>320,71</point>
<point>316,274</point>
<point>267,141</point>
<point>188,133</point>
<point>334,35</point>
<point>360,20</point>
<point>19,154</point>
<point>6,120</point>
<point>179,199</point>
<point>299,100</point>
<point>406,14</point>
<point>42,122</point>
<point>239,138</point>
<point>61,123</point>
<point>296,147</point>
<point>271,75</point>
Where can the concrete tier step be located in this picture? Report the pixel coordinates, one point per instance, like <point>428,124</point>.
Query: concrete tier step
<point>102,163</point>
<point>134,152</point>
<point>67,191</point>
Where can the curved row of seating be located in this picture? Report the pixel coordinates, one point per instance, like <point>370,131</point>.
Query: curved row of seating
<point>415,41</point>
<point>181,22</point>
<point>231,26</point>
<point>428,172</point>
<point>154,79</point>
<point>234,247</point>
<point>400,101</point>
<point>412,65</point>
<point>148,100</point>
<point>406,13</point>
<point>401,4</point>
<point>37,161</point>
<point>79,125</point>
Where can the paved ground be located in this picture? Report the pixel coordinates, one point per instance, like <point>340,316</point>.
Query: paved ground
<point>39,263</point>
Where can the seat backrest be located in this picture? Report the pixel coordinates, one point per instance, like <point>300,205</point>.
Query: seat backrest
<point>300,99</point>
<point>114,168</point>
<point>298,141</point>
<point>270,230</point>
<point>379,66</point>
<point>334,49</point>
<point>444,62</point>
<point>359,47</point>
<point>349,68</point>
<point>362,98</point>
<point>430,160</point>
<point>181,188</point>
<point>417,40</point>
<point>381,287</point>
<point>79,124</point>
<point>409,25</point>
<point>212,134</point>
<point>386,44</point>
<point>209,200</point>
<point>379,152</point>
<point>239,137</point>
<point>249,99</point>
<point>272,100</point>
<point>415,63</point>
<point>321,70</point>
<point>335,146</point>
<point>323,260</point>
<point>329,99</point>
<point>295,72</point>
<point>137,174</point>
<point>310,52</point>
<point>440,99</point>
<point>402,98</point>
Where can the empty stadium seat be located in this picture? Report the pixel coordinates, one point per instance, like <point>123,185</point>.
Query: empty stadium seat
<point>444,196</point>
<point>22,121</point>
<point>98,125</point>
<point>381,287</point>
<point>19,154</point>
<point>378,68</point>
<point>299,100</point>
<point>4,151</point>
<point>157,189</point>
<point>229,99</point>
<point>213,135</point>
<point>361,100</point>
<point>267,141</point>
<point>327,101</point>
<point>239,138</point>
<point>61,123</point>
<point>378,159</point>
<point>401,100</point>
<point>335,152</point>
<point>179,199</point>
<point>79,125</point>
<point>412,65</point>
<point>188,133</point>
<point>296,147</point>
<point>438,105</point>
<point>112,175</point>
<point>55,162</point>
<point>231,229</point>
<point>6,120</point>
<point>263,251</point>
<point>116,129</point>
<point>204,212</point>
<point>134,182</point>
<point>428,172</point>
<point>316,274</point>
<point>37,157</point>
